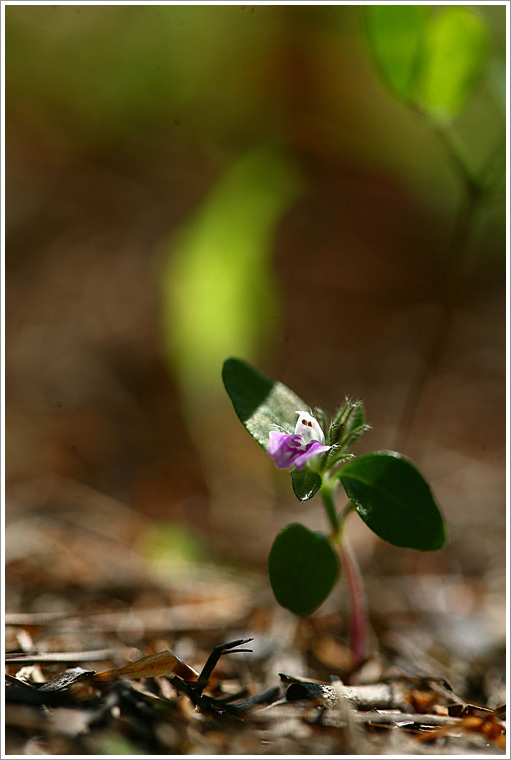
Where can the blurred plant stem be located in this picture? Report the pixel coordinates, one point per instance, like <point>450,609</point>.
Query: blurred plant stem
<point>458,279</point>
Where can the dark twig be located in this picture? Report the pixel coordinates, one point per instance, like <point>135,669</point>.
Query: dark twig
<point>208,705</point>
<point>194,689</point>
<point>266,697</point>
<point>218,651</point>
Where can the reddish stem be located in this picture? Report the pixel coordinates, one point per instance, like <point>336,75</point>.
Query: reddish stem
<point>359,619</point>
<point>358,606</point>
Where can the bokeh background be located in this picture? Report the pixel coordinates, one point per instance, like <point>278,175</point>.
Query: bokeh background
<point>188,183</point>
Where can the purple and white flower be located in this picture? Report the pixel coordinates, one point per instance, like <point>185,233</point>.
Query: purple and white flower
<point>295,449</point>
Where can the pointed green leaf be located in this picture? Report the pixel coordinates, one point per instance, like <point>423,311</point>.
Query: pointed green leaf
<point>306,484</point>
<point>303,568</point>
<point>396,36</point>
<point>455,54</point>
<point>260,403</point>
<point>394,500</point>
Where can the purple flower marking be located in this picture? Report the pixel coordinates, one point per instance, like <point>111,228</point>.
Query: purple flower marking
<point>295,449</point>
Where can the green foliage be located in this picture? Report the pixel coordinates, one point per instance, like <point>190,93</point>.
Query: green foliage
<point>218,290</point>
<point>394,500</point>
<point>429,58</point>
<point>396,36</point>
<point>455,55</point>
<point>303,568</point>
<point>305,484</point>
<point>260,403</point>
<point>386,490</point>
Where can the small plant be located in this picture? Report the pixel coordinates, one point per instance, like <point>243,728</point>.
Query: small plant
<point>384,488</point>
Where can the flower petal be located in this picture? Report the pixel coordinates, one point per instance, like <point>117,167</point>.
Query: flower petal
<point>313,449</point>
<point>284,448</point>
<point>290,450</point>
<point>275,439</point>
<point>309,428</point>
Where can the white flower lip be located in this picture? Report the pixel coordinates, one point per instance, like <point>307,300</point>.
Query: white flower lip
<point>308,427</point>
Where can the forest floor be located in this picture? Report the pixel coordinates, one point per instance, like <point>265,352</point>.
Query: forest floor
<point>434,682</point>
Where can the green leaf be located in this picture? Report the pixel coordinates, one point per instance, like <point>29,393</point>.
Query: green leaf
<point>260,403</point>
<point>303,568</point>
<point>396,36</point>
<point>394,500</point>
<point>455,55</point>
<point>305,483</point>
<point>431,59</point>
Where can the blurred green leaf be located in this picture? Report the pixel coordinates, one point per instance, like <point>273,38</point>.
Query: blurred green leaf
<point>260,403</point>
<point>219,293</point>
<point>395,501</point>
<point>305,484</point>
<point>303,568</point>
<point>455,55</point>
<point>429,58</point>
<point>396,35</point>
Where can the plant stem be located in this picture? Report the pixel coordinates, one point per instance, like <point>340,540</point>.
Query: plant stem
<point>327,494</point>
<point>356,593</point>
<point>359,619</point>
